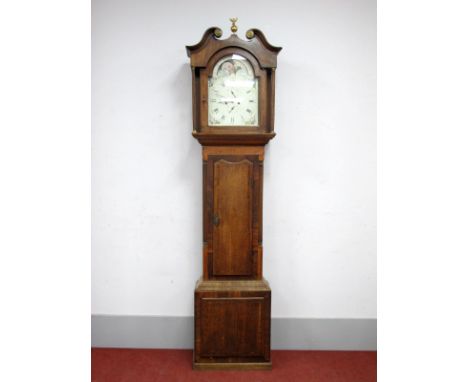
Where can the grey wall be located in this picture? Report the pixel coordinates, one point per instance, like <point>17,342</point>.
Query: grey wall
<point>286,333</point>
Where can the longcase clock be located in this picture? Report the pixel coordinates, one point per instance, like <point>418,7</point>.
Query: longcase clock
<point>233,94</point>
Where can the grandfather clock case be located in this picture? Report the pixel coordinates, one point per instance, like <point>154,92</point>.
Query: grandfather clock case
<point>233,93</point>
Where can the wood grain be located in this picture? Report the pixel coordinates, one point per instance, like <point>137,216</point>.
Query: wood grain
<point>232,234</point>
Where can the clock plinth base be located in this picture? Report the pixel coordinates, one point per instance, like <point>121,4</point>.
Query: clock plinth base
<point>232,324</point>
<point>232,366</point>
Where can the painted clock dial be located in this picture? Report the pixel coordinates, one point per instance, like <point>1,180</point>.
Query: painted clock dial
<point>233,93</point>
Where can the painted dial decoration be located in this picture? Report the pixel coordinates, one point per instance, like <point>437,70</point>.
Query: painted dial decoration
<point>233,93</point>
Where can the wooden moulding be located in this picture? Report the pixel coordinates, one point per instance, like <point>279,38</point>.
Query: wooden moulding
<point>213,139</point>
<point>232,285</point>
<point>237,150</point>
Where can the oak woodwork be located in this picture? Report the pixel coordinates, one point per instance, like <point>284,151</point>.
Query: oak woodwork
<point>232,299</point>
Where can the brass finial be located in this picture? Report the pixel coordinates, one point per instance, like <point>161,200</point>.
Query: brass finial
<point>233,26</point>
<point>218,32</point>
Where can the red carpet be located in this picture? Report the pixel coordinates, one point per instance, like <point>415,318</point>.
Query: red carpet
<point>138,365</point>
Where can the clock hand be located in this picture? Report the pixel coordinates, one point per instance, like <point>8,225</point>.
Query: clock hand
<point>233,94</point>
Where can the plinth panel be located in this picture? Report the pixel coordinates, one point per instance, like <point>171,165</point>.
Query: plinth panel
<point>232,324</point>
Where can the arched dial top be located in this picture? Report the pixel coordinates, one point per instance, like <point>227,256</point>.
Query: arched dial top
<point>233,93</point>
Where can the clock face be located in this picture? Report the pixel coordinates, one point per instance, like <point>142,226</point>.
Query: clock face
<point>233,93</point>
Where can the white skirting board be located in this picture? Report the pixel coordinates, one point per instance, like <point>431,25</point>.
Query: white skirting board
<point>164,332</point>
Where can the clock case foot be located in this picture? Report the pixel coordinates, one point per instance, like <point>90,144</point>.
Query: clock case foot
<point>232,366</point>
